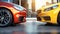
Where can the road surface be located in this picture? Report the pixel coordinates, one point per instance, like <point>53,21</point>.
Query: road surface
<point>30,27</point>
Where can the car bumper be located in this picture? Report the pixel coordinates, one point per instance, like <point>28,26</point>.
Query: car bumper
<point>47,18</point>
<point>20,17</point>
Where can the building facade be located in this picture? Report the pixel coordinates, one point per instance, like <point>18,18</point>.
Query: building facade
<point>32,5</point>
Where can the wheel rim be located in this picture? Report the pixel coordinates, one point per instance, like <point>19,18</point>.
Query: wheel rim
<point>4,17</point>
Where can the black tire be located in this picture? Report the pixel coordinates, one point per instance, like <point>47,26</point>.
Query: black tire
<point>5,17</point>
<point>50,24</point>
<point>58,19</point>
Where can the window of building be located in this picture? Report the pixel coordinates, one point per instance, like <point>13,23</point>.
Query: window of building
<point>54,1</point>
<point>16,1</point>
<point>7,0</point>
<point>58,0</point>
<point>4,0</point>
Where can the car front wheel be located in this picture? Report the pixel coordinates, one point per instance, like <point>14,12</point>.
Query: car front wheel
<point>5,17</point>
<point>58,18</point>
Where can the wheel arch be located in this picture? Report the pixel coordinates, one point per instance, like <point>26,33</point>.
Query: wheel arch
<point>57,17</point>
<point>58,13</point>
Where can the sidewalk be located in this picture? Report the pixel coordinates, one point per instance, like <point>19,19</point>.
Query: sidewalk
<point>33,20</point>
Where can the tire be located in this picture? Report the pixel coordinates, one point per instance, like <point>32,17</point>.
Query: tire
<point>50,24</point>
<point>58,19</point>
<point>5,17</point>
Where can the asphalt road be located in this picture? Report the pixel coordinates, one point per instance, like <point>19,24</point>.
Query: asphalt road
<point>30,27</point>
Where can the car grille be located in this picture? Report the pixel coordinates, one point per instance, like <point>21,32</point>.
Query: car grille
<point>47,18</point>
<point>21,18</point>
<point>38,19</point>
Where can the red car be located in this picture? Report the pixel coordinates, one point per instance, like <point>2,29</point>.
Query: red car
<point>11,13</point>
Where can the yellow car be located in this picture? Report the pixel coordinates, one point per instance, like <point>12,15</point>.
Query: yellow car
<point>49,14</point>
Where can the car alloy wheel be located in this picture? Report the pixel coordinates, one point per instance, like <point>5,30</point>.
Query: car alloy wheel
<point>5,17</point>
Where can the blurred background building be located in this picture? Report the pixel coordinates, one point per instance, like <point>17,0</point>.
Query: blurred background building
<point>32,5</point>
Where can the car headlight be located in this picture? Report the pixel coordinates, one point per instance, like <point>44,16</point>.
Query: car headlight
<point>18,7</point>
